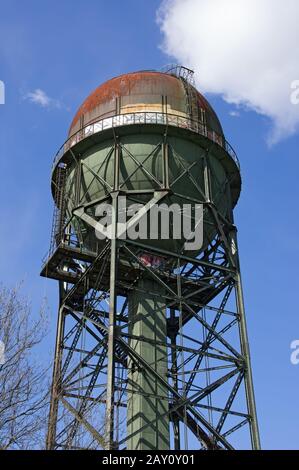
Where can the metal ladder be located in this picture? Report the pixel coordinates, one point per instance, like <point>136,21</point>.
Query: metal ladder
<point>59,208</point>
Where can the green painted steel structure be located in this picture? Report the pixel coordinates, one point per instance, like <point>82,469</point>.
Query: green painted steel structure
<point>147,354</point>
<point>148,320</point>
<point>141,169</point>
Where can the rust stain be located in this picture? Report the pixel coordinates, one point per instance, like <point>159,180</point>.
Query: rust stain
<point>137,83</point>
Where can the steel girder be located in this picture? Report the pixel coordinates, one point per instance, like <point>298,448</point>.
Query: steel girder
<point>209,380</point>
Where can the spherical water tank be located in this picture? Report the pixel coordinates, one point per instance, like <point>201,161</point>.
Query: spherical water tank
<point>141,111</point>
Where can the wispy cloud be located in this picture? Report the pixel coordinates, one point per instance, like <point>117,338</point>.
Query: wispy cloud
<point>245,51</point>
<point>234,113</point>
<point>41,98</point>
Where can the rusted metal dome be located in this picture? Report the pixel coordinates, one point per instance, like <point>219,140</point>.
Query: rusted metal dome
<point>146,91</point>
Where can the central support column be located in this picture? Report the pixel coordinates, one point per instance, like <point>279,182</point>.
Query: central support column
<point>147,398</point>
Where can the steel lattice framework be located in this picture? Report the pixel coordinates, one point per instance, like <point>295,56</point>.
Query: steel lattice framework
<point>210,398</point>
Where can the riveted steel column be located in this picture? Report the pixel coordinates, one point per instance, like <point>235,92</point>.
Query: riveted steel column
<point>56,381</point>
<point>172,332</point>
<point>109,434</point>
<point>250,396</point>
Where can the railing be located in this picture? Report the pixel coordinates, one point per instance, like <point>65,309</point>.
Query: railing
<point>145,118</point>
<point>69,241</point>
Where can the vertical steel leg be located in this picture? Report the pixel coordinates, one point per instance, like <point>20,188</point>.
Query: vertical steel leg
<point>111,333</point>
<point>250,396</point>
<point>173,336</point>
<point>112,309</point>
<point>56,383</point>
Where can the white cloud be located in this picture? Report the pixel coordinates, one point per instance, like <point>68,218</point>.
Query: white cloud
<point>40,98</point>
<point>244,50</point>
<point>234,113</point>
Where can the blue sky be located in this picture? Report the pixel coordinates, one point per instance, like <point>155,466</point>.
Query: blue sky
<point>68,48</point>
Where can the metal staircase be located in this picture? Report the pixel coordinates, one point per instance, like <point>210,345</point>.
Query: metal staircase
<point>59,208</point>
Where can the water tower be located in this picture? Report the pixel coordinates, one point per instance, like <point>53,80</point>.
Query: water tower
<point>151,349</point>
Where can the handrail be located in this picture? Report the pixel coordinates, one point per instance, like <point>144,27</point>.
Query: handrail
<point>145,117</point>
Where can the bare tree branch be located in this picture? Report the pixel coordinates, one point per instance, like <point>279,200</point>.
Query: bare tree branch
<point>23,381</point>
